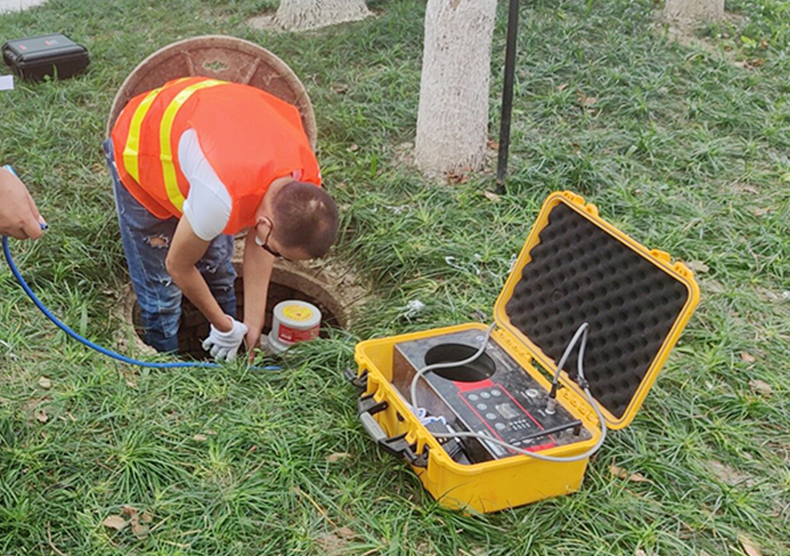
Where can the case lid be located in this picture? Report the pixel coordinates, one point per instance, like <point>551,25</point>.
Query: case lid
<point>577,268</point>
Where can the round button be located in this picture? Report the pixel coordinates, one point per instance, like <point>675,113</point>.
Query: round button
<point>490,416</point>
<point>482,406</point>
<point>473,397</point>
<point>532,393</point>
<point>496,392</point>
<point>485,395</point>
<point>499,426</point>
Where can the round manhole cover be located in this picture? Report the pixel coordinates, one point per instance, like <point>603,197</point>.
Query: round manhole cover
<point>218,57</point>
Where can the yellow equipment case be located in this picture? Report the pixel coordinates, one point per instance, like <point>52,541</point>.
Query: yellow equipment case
<point>574,268</point>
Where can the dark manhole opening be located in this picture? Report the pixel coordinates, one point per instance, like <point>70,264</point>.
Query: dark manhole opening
<point>285,284</point>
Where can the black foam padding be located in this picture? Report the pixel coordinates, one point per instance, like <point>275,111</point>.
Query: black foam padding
<point>581,273</point>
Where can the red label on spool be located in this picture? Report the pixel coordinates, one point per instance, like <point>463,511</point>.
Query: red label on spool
<point>292,335</point>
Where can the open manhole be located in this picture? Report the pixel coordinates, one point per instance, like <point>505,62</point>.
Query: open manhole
<point>335,292</point>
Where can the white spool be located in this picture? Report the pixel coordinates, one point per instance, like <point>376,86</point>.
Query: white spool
<point>293,321</point>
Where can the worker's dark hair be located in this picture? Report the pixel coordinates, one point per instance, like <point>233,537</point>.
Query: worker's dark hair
<point>306,218</point>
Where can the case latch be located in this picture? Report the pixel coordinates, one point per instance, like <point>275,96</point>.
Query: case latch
<point>395,445</point>
<point>360,382</point>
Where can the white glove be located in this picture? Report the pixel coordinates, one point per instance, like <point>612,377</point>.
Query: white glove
<point>224,345</point>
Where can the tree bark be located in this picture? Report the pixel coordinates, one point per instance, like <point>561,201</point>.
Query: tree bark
<point>303,15</point>
<point>452,120</point>
<point>693,12</point>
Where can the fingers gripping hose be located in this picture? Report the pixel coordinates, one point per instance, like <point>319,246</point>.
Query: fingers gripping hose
<point>96,347</point>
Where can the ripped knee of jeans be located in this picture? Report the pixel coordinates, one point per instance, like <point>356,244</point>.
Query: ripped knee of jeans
<point>158,242</point>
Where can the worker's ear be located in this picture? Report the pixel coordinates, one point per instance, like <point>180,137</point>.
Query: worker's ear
<point>262,220</point>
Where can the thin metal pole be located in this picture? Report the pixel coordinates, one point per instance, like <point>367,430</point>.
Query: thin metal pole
<point>507,95</point>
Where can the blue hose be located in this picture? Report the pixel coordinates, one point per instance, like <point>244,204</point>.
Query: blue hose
<point>92,345</point>
<point>109,353</point>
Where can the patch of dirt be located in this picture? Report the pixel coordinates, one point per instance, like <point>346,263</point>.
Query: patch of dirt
<point>730,475</point>
<point>268,22</point>
<point>404,153</point>
<point>740,188</point>
<point>686,33</point>
<point>781,450</point>
<point>265,22</point>
<point>332,545</point>
<point>767,296</point>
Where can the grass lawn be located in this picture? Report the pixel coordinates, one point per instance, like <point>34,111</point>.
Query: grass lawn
<point>685,148</point>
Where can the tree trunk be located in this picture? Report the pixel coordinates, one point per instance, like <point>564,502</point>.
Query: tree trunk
<point>452,121</point>
<point>303,15</point>
<point>693,12</point>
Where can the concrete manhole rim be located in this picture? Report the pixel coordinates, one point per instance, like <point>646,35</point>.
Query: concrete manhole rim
<point>334,292</point>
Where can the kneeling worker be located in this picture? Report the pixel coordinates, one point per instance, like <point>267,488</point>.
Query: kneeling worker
<point>194,163</point>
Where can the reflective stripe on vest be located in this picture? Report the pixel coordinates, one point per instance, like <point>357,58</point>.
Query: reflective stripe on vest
<point>130,151</point>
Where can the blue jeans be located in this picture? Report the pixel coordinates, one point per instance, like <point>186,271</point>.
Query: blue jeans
<point>146,240</point>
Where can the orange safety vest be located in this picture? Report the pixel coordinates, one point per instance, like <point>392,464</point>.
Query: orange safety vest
<point>249,137</point>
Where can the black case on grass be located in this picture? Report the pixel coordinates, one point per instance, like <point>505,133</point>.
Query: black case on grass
<point>46,55</point>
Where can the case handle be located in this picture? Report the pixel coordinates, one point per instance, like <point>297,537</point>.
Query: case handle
<point>395,445</point>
